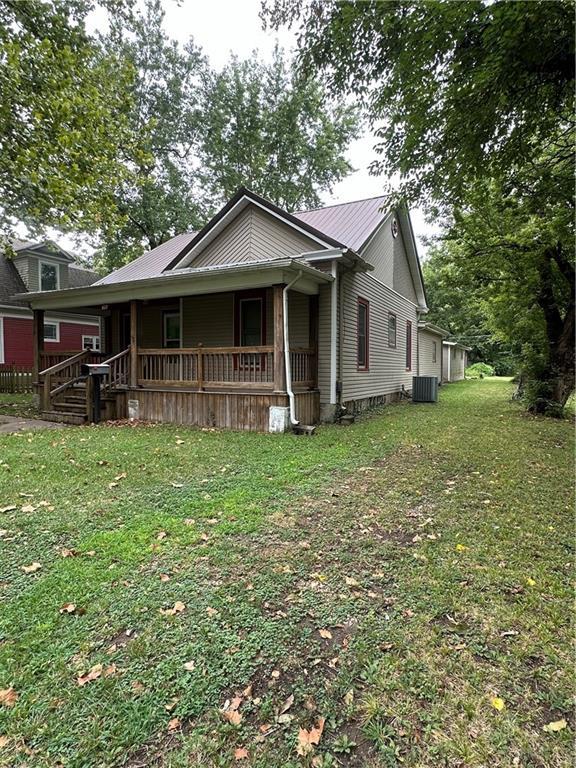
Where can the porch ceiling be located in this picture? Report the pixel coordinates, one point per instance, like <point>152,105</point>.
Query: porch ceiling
<point>186,282</point>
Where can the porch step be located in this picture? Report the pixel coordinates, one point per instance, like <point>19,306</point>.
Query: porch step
<point>65,417</point>
<point>70,407</point>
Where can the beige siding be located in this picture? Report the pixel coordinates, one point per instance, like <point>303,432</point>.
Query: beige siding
<point>298,319</point>
<point>253,236</point>
<point>454,360</point>
<point>388,256</point>
<point>324,302</point>
<point>22,264</point>
<point>426,341</point>
<point>151,322</point>
<point>403,282</point>
<point>387,373</point>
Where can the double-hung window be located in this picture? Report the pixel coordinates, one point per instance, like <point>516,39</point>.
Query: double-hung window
<point>49,278</point>
<point>171,336</point>
<point>392,330</point>
<point>51,332</point>
<point>408,345</point>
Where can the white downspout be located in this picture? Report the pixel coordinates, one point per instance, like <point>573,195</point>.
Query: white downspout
<point>449,364</point>
<point>333,333</point>
<point>293,420</point>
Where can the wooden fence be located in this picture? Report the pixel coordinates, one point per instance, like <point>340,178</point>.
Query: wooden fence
<point>15,379</point>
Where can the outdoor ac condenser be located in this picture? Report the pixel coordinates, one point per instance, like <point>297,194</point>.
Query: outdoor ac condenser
<point>425,389</point>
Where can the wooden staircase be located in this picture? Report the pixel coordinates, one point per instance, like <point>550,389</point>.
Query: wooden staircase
<point>65,393</point>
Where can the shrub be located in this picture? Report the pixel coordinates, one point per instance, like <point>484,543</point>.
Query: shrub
<point>479,370</point>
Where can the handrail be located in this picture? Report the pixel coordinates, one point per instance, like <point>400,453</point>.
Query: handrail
<point>65,363</point>
<point>205,350</point>
<point>116,356</point>
<point>62,387</point>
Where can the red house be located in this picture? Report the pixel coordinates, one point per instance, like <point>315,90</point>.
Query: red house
<point>37,267</point>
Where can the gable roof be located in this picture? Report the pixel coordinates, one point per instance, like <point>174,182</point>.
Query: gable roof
<point>349,223</point>
<point>152,263</point>
<point>46,247</point>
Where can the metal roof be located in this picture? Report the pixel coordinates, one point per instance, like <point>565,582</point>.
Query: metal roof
<point>349,223</point>
<point>150,264</point>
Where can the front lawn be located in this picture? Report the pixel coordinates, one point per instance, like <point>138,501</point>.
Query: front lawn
<point>17,405</point>
<point>394,593</point>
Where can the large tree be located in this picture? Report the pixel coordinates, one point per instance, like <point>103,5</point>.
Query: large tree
<point>472,103</point>
<point>63,105</point>
<point>204,133</point>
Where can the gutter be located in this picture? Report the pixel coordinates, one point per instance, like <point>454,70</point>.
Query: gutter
<point>293,420</point>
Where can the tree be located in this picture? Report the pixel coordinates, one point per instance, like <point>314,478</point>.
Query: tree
<point>205,133</point>
<point>63,125</point>
<point>274,132</point>
<point>456,91</point>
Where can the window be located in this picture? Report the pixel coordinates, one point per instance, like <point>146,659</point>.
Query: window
<point>391,330</point>
<point>251,322</point>
<point>171,330</point>
<point>49,278</point>
<point>408,345</point>
<point>362,354</point>
<point>91,342</point>
<point>434,351</point>
<point>52,332</point>
<point>1,339</point>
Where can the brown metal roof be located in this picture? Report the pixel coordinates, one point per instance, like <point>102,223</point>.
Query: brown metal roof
<point>349,223</point>
<point>150,264</point>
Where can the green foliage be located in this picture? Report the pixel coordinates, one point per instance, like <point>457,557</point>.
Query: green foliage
<point>63,125</point>
<point>479,370</point>
<point>203,133</point>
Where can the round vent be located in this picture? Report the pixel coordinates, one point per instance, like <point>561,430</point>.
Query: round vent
<point>394,228</point>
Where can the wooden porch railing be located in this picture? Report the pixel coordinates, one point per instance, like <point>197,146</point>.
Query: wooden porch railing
<point>200,367</point>
<point>303,366</point>
<point>119,370</point>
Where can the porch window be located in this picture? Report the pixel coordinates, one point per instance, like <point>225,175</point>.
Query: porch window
<point>362,358</point>
<point>408,345</point>
<point>48,276</point>
<point>251,322</point>
<point>392,330</point>
<point>434,351</point>
<point>172,337</point>
<point>52,332</point>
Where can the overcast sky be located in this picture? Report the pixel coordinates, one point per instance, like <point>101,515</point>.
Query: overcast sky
<point>222,27</point>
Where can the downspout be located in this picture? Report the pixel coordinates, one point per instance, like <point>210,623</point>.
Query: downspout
<point>334,334</point>
<point>293,420</point>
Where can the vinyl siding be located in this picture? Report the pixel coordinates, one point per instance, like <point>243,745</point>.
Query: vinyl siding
<point>324,300</point>
<point>387,367</point>
<point>403,282</point>
<point>253,236</point>
<point>18,339</point>
<point>427,366</point>
<point>22,264</point>
<point>150,330</point>
<point>457,363</point>
<point>209,320</point>
<point>298,319</point>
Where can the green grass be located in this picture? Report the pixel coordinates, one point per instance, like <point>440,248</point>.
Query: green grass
<point>17,405</point>
<point>432,542</point>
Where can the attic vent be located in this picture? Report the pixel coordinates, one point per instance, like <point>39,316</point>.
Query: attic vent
<point>394,226</point>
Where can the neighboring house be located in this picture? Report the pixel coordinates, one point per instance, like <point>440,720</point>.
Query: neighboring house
<point>454,360</point>
<point>41,267</point>
<point>430,339</point>
<point>261,319</point>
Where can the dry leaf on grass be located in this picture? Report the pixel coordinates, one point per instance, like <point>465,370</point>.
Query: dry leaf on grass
<point>190,666</point>
<point>555,726</point>
<point>351,582</point>
<point>177,608</point>
<point>161,535</point>
<point>68,608</point>
<point>65,552</point>
<point>31,568</point>
<point>8,697</point>
<point>325,633</point>
<point>9,508</point>
<point>233,717</point>
<point>241,753</point>
<point>164,577</point>
<point>174,724</point>
<point>4,741</point>
<point>497,703</point>
<point>28,508</point>
<point>87,677</point>
<point>308,739</point>
<point>211,612</point>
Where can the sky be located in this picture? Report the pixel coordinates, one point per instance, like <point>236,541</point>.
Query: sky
<point>222,27</point>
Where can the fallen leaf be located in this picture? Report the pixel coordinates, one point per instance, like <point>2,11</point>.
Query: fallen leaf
<point>233,716</point>
<point>4,741</point>
<point>87,677</point>
<point>164,577</point>
<point>190,666</point>
<point>275,674</point>
<point>177,485</point>
<point>530,582</point>
<point>349,697</point>
<point>556,725</point>
<point>325,633</point>
<point>351,582</point>
<point>247,692</point>
<point>137,686</point>
<point>28,508</point>
<point>112,485</point>
<point>161,535</point>
<point>174,724</point>
<point>497,703</point>
<point>8,697</point>
<point>9,508</point>
<point>179,442</point>
<point>307,739</point>
<point>65,552</point>
<point>68,608</point>
<point>461,548</point>
<point>189,521</point>
<point>177,608</point>
<point>287,704</point>
<point>241,753</point>
<point>121,476</point>
<point>31,568</point>
<point>211,611</point>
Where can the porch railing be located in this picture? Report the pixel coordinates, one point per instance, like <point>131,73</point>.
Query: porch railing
<point>303,367</point>
<point>241,367</point>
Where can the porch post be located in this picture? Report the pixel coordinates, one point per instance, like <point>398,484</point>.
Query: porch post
<point>37,342</point>
<point>134,342</point>
<point>279,368</point>
<point>313,337</point>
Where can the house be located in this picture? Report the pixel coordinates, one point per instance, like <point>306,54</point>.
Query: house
<point>454,360</point>
<point>34,267</point>
<point>261,320</point>
<point>430,340</point>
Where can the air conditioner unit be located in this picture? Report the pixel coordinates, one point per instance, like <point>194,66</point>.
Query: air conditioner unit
<point>424,389</point>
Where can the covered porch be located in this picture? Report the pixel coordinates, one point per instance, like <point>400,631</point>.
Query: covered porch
<point>203,356</point>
